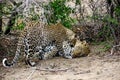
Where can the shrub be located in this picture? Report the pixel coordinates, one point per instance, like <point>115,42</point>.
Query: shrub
<point>59,12</point>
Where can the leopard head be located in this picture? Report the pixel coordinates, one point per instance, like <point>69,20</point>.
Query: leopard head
<point>81,48</point>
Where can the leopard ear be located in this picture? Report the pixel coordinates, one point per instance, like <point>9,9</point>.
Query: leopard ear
<point>84,42</point>
<point>74,41</point>
<point>59,24</point>
<point>76,36</point>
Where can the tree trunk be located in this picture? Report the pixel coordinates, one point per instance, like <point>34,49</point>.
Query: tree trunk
<point>0,16</point>
<point>13,16</point>
<point>11,22</point>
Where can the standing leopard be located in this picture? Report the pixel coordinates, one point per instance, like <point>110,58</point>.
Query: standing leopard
<point>36,39</point>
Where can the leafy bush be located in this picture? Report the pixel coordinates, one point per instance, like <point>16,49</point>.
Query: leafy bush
<point>59,12</point>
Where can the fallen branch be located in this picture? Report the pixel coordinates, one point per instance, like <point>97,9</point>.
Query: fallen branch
<point>28,78</point>
<point>53,70</point>
<point>82,72</point>
<point>113,48</point>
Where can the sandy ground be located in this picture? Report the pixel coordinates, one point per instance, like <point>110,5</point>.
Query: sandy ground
<point>85,68</point>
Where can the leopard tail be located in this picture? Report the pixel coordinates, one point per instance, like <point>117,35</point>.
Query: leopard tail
<point>5,61</point>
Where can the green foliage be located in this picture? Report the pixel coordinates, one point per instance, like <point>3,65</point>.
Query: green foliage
<point>93,17</point>
<point>78,2</point>
<point>104,33</point>
<point>35,17</point>
<point>2,5</point>
<point>59,13</point>
<point>6,9</point>
<point>19,26</point>
<point>117,10</point>
<point>109,19</point>
<point>105,45</point>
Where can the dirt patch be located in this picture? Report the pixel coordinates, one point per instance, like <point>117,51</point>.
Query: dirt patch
<point>85,68</point>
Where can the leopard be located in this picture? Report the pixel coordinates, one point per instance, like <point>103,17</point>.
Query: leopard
<point>38,39</point>
<point>81,48</point>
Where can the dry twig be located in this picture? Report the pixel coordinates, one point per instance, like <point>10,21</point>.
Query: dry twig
<point>113,48</point>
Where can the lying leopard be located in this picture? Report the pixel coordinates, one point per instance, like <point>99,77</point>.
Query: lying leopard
<point>79,49</point>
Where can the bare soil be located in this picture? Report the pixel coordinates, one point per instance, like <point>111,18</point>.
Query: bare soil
<point>85,68</point>
<point>98,65</point>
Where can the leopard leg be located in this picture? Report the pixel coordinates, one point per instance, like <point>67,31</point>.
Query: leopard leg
<point>29,60</point>
<point>64,49</point>
<point>50,51</point>
<point>29,53</point>
<point>41,52</point>
<point>67,50</point>
<point>59,46</point>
